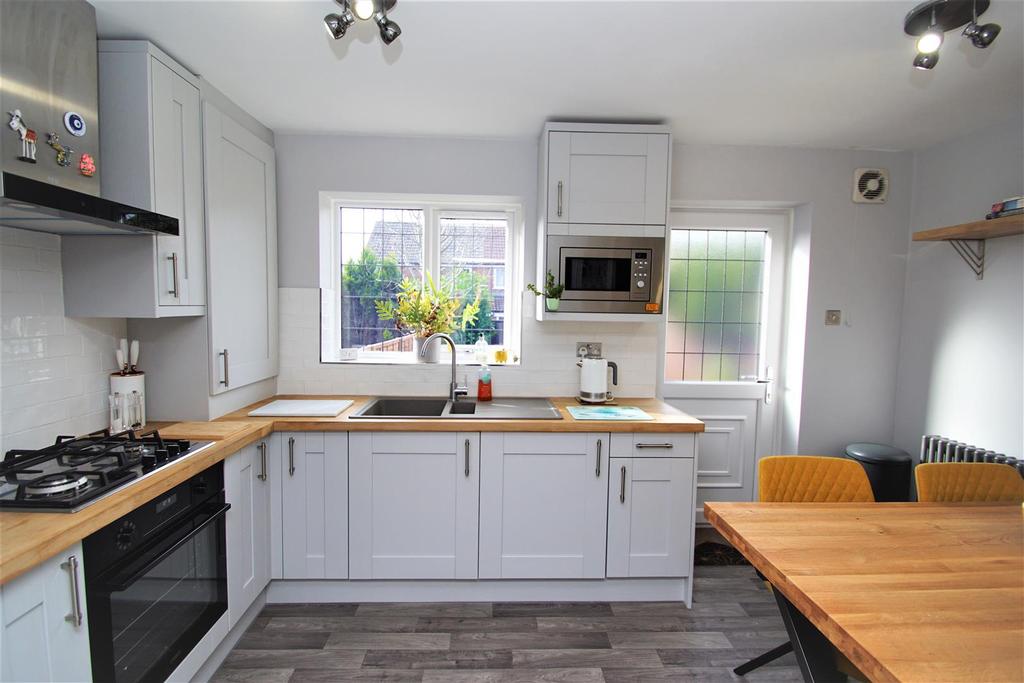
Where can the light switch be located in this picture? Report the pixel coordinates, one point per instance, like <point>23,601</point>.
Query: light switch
<point>833,316</point>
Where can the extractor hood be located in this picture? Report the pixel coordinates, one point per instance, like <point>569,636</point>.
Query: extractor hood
<point>49,143</point>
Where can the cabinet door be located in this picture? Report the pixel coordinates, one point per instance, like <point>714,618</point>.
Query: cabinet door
<point>242,241</point>
<point>650,517</point>
<point>40,639</point>
<point>613,178</point>
<point>544,509</point>
<point>178,188</point>
<point>414,504</point>
<point>246,477</point>
<point>314,474</point>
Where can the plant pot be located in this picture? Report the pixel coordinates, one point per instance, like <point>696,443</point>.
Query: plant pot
<point>552,304</point>
<point>433,354</point>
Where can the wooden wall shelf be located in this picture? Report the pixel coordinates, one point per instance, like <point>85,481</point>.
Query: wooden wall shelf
<point>977,230</point>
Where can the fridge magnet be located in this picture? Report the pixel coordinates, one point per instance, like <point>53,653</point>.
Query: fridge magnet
<point>27,135</point>
<point>75,124</point>
<point>86,165</point>
<point>63,153</point>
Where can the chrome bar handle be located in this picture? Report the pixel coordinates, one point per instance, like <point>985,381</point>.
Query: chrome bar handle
<point>655,445</point>
<point>559,208</point>
<point>622,484</point>
<point>173,258</point>
<point>76,616</point>
<point>225,354</point>
<point>597,469</point>
<point>467,458</point>
<point>291,456</point>
<point>262,476</point>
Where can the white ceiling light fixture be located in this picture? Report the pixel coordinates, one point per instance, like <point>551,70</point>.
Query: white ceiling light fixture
<point>338,24</point>
<point>931,19</point>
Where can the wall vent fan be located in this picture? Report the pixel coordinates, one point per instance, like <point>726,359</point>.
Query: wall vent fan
<point>870,185</point>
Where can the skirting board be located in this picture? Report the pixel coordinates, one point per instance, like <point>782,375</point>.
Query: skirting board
<point>209,653</point>
<point>505,590</point>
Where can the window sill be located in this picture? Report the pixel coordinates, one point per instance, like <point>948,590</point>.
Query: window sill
<point>463,360</point>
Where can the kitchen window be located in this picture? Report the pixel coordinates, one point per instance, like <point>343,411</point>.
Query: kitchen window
<point>466,245</point>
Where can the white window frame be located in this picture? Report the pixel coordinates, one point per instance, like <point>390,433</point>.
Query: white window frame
<point>434,207</point>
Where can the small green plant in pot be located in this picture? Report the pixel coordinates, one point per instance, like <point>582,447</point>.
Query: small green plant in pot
<point>422,308</point>
<point>552,292</point>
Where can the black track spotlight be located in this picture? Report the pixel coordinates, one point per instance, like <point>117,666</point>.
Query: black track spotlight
<point>337,24</point>
<point>389,30</point>
<point>926,60</point>
<point>982,36</point>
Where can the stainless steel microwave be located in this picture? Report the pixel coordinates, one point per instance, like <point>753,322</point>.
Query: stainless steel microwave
<point>608,274</point>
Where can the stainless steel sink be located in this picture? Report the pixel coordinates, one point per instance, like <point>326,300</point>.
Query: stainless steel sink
<point>402,408</point>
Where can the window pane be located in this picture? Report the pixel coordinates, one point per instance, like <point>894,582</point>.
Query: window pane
<point>472,262</point>
<point>715,288</point>
<point>379,247</point>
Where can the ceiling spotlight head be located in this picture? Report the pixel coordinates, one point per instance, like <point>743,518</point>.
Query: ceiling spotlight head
<point>337,24</point>
<point>389,30</point>
<point>926,60</point>
<point>982,36</point>
<point>930,41</point>
<point>364,9</point>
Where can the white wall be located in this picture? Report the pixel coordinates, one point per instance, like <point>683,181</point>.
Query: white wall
<point>855,254</point>
<point>961,371</point>
<point>54,372</point>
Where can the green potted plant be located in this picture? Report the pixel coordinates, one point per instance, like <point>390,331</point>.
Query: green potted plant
<point>552,292</point>
<point>422,308</point>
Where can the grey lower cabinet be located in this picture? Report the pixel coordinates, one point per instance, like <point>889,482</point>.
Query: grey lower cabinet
<point>314,505</point>
<point>543,505</point>
<point>44,627</point>
<point>414,503</point>
<point>249,476</point>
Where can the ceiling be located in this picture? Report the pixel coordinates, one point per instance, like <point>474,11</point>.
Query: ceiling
<point>827,73</point>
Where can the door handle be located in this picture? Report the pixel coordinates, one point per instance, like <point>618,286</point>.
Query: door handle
<point>622,484</point>
<point>262,476</point>
<point>559,208</point>
<point>467,458</point>
<point>225,380</point>
<point>291,456</point>
<point>655,445</point>
<point>76,616</point>
<point>173,258</point>
<point>597,468</point>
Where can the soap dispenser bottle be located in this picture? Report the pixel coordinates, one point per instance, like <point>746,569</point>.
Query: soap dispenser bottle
<point>483,383</point>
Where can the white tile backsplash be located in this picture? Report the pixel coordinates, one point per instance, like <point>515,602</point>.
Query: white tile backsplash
<point>548,362</point>
<point>54,371</point>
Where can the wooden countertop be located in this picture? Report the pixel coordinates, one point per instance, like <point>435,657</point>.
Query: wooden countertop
<point>907,591</point>
<point>666,420</point>
<point>28,538</point>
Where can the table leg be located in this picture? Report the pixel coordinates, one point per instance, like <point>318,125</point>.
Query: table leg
<point>814,653</point>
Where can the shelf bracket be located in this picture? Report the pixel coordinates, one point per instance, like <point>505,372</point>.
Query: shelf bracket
<point>973,256</point>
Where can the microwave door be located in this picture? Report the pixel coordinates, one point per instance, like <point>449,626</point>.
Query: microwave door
<point>596,274</point>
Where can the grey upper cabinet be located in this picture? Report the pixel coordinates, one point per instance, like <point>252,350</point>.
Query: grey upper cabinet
<point>151,146</point>
<point>241,207</point>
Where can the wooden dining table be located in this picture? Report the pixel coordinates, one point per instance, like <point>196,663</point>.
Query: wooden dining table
<point>906,591</point>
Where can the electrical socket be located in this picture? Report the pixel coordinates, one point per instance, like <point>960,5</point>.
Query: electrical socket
<point>588,349</point>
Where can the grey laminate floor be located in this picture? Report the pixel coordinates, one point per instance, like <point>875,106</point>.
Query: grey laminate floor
<point>733,619</point>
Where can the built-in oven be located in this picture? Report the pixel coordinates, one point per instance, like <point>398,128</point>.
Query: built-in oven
<point>156,581</point>
<point>608,274</point>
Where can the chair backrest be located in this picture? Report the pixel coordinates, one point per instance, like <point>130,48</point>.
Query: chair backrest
<point>968,482</point>
<point>812,479</point>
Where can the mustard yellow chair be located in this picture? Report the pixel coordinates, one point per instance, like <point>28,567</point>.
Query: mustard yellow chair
<point>968,482</point>
<point>809,479</point>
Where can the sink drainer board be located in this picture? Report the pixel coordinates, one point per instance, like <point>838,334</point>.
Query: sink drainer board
<point>301,408</point>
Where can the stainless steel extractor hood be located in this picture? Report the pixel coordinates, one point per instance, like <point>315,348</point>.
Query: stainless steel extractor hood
<point>49,145</point>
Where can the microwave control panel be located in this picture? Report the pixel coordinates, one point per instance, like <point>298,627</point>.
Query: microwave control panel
<point>640,286</point>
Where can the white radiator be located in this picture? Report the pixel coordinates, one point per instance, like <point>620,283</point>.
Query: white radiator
<point>936,448</point>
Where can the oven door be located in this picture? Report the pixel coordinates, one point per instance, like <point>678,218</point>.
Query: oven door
<point>148,612</point>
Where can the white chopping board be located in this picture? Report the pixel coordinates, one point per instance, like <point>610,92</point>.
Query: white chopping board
<point>301,408</point>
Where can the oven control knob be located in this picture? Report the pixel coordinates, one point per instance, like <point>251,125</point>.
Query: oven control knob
<point>148,461</point>
<point>125,536</point>
<point>640,284</point>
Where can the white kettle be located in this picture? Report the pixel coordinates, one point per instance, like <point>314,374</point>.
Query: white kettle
<point>594,379</point>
